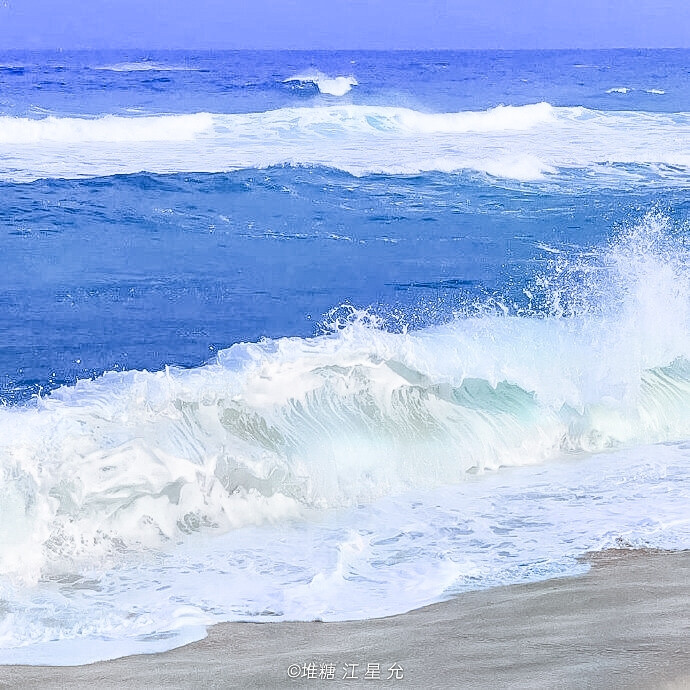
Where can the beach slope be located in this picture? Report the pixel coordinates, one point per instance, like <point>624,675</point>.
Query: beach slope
<point>624,624</point>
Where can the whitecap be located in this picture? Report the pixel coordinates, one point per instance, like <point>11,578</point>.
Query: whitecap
<point>528,142</point>
<point>331,86</point>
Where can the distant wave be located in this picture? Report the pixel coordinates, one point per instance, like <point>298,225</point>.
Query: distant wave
<point>520,142</point>
<point>144,66</point>
<point>110,129</point>
<point>658,92</point>
<point>332,86</point>
<point>619,89</point>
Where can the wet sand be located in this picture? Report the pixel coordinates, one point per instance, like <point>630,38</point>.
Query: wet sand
<point>624,624</point>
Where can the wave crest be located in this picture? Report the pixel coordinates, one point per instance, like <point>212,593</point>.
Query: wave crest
<point>520,142</point>
<point>143,66</point>
<point>331,86</point>
<point>599,359</point>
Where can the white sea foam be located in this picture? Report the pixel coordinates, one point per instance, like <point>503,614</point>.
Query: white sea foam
<point>399,553</point>
<point>111,489</point>
<point>109,129</point>
<point>331,86</point>
<point>658,92</point>
<point>272,428</point>
<point>524,143</point>
<point>619,89</point>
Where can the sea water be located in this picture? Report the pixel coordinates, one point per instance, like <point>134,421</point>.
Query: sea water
<point>328,336</point>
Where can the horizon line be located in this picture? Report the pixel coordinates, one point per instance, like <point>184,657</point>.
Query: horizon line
<point>340,49</point>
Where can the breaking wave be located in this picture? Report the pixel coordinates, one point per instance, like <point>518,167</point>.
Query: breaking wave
<point>331,86</point>
<point>597,359</point>
<point>110,129</point>
<point>521,142</point>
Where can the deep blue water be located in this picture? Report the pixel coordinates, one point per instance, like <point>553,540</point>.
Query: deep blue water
<point>143,270</point>
<point>140,271</point>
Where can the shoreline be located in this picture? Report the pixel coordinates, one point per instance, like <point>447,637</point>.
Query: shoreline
<point>625,624</point>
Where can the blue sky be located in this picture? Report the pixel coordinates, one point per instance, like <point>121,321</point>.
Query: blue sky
<point>324,24</point>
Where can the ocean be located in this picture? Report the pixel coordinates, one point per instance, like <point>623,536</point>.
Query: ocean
<point>331,335</point>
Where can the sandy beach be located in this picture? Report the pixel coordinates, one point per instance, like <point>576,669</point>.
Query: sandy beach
<point>624,624</point>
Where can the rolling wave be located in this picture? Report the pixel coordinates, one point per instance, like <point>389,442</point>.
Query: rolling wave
<point>109,129</point>
<point>521,142</point>
<point>599,360</point>
<point>331,86</point>
<point>143,66</point>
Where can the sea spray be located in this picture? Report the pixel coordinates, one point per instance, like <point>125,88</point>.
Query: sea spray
<point>139,459</point>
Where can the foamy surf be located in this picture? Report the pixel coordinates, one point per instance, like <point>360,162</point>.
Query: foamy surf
<point>519,525</point>
<point>387,449</point>
<point>520,142</point>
